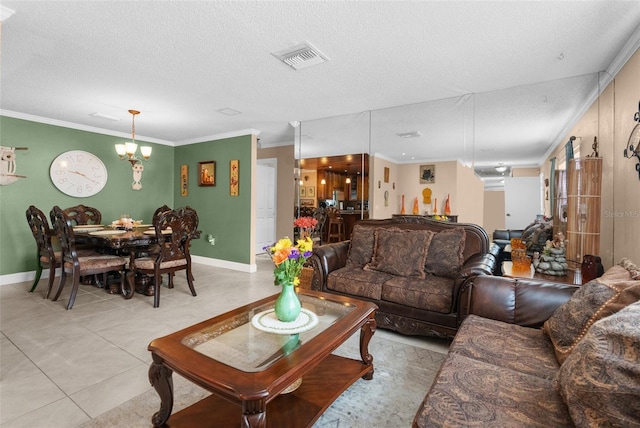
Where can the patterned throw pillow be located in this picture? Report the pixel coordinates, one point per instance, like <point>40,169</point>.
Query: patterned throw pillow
<point>400,252</point>
<point>599,380</point>
<point>595,300</point>
<point>361,246</point>
<point>445,256</point>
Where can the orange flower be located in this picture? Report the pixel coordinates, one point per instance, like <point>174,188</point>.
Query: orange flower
<point>280,255</point>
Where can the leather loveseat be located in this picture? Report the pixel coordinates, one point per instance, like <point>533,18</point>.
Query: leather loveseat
<point>543,354</point>
<point>415,269</point>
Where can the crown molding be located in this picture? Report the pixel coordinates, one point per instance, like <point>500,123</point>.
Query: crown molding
<point>240,133</point>
<point>71,125</point>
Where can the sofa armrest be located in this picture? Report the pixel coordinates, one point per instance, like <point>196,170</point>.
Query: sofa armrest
<point>526,302</point>
<point>479,264</point>
<point>325,259</point>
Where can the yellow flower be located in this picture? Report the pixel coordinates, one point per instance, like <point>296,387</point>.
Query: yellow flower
<point>305,244</point>
<point>284,243</point>
<point>296,281</point>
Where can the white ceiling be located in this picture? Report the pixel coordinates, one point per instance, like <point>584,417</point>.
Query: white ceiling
<point>492,81</point>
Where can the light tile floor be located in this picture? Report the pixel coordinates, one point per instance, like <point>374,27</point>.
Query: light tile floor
<point>61,368</point>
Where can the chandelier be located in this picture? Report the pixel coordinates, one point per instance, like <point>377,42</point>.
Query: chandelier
<point>128,151</point>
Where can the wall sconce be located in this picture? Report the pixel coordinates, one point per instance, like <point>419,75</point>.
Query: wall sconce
<point>128,151</point>
<point>633,145</point>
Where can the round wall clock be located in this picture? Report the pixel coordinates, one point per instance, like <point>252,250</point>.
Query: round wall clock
<point>78,173</point>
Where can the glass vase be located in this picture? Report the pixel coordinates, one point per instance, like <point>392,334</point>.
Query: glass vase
<point>288,305</point>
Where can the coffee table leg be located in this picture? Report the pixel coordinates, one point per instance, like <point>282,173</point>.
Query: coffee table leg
<point>254,414</point>
<point>366,333</point>
<point>161,379</point>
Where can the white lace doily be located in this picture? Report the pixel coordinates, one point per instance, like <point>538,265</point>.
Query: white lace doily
<point>267,321</point>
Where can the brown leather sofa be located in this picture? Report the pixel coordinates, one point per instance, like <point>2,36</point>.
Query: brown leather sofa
<point>579,369</point>
<point>415,296</point>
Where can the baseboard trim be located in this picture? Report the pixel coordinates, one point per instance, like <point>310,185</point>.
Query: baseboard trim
<point>17,277</point>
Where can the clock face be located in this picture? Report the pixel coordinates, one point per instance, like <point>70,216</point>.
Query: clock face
<point>78,173</point>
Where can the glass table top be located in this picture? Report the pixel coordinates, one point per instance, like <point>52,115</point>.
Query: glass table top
<point>237,343</point>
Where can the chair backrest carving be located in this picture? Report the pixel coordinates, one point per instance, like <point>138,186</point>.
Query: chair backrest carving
<point>41,231</point>
<point>333,212</point>
<point>158,211</point>
<point>175,245</point>
<point>64,229</point>
<point>81,214</point>
<point>321,216</point>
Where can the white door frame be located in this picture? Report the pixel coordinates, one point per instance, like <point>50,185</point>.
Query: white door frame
<point>266,203</point>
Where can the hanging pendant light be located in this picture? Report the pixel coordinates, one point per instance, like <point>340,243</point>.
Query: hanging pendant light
<point>128,151</point>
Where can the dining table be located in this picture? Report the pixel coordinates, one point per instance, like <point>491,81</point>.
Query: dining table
<point>132,243</point>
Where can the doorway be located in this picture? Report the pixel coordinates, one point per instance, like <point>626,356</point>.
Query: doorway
<point>522,200</point>
<point>266,203</point>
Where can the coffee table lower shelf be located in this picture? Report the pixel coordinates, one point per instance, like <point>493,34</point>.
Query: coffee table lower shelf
<point>300,408</point>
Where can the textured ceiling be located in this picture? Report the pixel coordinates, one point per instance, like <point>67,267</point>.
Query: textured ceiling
<point>482,81</point>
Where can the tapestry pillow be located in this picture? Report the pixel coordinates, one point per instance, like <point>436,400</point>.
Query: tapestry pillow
<point>599,381</point>
<point>400,252</point>
<point>361,246</point>
<point>595,300</point>
<point>445,256</point>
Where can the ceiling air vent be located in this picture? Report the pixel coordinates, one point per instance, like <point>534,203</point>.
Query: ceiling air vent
<point>301,56</point>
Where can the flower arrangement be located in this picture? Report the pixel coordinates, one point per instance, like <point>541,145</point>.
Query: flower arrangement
<point>289,259</point>
<point>306,224</point>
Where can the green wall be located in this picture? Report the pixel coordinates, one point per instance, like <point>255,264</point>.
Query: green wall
<point>225,216</point>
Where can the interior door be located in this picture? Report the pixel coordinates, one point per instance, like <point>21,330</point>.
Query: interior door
<point>266,204</point>
<point>522,201</point>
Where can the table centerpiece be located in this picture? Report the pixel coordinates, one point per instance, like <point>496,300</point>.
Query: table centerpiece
<point>289,260</point>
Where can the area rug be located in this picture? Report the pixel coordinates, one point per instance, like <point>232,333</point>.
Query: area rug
<point>403,374</point>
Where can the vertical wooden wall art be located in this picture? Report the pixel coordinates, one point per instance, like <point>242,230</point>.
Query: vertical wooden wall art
<point>234,179</point>
<point>184,180</point>
<point>584,182</point>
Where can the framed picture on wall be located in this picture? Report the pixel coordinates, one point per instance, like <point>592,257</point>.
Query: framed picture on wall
<point>207,173</point>
<point>427,174</point>
<point>311,191</point>
<point>303,192</point>
<point>234,177</point>
<point>386,174</point>
<point>184,180</point>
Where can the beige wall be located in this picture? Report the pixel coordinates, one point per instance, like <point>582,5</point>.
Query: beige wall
<point>611,119</point>
<point>377,207</point>
<point>285,186</point>
<point>494,211</point>
<point>469,201</point>
<point>525,172</point>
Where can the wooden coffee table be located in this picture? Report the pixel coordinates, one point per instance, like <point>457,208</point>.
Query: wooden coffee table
<point>247,369</point>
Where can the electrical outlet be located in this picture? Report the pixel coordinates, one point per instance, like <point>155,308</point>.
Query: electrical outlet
<point>211,239</point>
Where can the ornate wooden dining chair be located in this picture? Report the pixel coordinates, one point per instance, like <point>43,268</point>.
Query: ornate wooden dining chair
<point>81,214</point>
<point>174,248</point>
<point>159,211</point>
<point>320,214</point>
<point>78,265</point>
<point>47,257</point>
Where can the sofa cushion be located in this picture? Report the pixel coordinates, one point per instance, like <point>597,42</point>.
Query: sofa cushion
<point>432,293</point>
<point>400,252</point>
<point>357,282</point>
<point>361,246</point>
<point>595,300</point>
<point>445,255</point>
<point>523,349</point>
<point>473,393</point>
<point>599,380</point>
